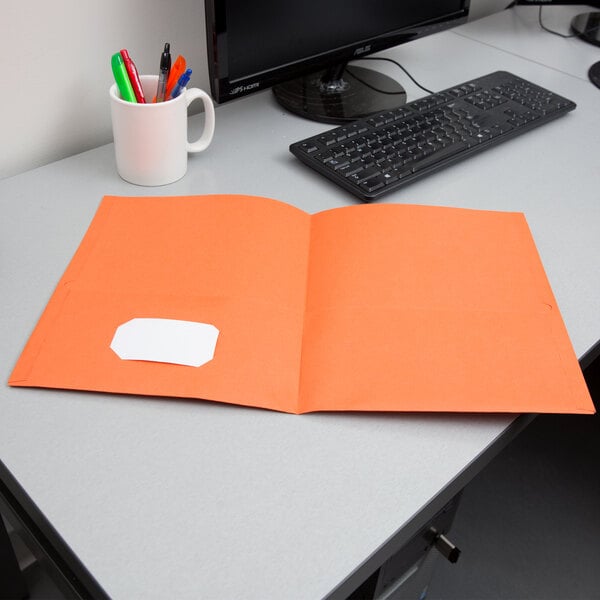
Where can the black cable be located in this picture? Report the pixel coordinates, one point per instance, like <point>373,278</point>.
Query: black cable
<point>558,33</point>
<point>398,65</point>
<point>514,3</point>
<point>564,35</point>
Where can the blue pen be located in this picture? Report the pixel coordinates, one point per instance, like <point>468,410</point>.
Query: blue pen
<point>181,83</point>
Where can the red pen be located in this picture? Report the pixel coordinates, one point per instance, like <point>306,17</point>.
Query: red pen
<point>133,77</point>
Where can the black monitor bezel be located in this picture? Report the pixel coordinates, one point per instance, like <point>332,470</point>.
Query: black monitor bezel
<point>223,89</point>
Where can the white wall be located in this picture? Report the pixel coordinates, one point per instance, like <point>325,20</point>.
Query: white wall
<point>56,55</point>
<point>56,68</point>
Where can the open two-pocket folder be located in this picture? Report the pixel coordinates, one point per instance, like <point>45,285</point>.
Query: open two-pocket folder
<point>385,307</point>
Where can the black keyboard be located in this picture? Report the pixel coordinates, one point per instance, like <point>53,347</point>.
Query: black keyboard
<point>378,154</point>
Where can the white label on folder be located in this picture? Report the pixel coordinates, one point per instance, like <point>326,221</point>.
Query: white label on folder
<point>166,340</point>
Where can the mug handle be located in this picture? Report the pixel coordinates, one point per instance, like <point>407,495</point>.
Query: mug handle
<point>209,119</point>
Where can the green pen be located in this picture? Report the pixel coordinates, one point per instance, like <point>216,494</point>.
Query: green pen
<point>121,77</point>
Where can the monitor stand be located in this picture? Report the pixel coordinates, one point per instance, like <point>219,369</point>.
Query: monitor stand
<point>594,74</point>
<point>587,27</point>
<point>340,94</point>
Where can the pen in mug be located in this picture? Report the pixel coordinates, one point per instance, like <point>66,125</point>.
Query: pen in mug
<point>175,73</point>
<point>134,77</point>
<point>121,78</point>
<point>177,70</point>
<point>180,86</point>
<point>165,67</point>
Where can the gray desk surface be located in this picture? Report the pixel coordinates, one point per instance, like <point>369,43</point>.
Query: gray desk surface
<point>164,498</point>
<point>529,40</point>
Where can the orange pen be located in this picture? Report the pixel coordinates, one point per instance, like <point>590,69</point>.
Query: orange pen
<point>175,73</point>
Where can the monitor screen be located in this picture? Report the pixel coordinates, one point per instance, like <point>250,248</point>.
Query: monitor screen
<point>263,43</point>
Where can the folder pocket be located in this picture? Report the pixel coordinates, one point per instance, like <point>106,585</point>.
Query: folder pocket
<point>256,358</point>
<point>435,360</point>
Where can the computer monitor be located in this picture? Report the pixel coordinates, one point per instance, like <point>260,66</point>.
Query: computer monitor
<point>301,48</point>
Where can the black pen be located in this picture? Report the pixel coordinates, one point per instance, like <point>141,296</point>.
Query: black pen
<point>165,67</point>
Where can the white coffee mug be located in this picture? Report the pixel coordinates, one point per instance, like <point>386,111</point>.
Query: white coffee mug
<point>151,145</point>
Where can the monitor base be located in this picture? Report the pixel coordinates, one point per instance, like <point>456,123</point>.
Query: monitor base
<point>587,27</point>
<point>594,74</point>
<point>340,95</point>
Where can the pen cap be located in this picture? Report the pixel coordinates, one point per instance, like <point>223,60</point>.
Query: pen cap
<point>165,58</point>
<point>185,78</point>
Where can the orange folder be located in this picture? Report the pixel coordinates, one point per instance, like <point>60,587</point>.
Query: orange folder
<point>383,307</point>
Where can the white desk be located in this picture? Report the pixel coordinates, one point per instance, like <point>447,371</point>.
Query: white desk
<point>163,498</point>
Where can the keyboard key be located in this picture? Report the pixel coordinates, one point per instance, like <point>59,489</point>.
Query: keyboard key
<point>309,147</point>
<point>372,184</point>
<point>368,173</point>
